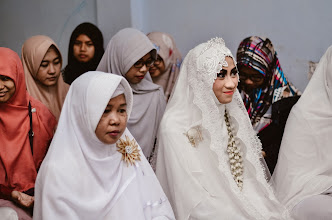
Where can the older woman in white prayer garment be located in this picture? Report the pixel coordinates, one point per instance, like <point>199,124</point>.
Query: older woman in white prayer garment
<point>94,168</point>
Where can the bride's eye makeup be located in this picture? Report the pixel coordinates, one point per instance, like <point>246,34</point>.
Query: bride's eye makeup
<point>234,72</point>
<point>222,74</point>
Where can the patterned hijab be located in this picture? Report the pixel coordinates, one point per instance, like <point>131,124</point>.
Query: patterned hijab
<point>171,56</point>
<point>258,53</point>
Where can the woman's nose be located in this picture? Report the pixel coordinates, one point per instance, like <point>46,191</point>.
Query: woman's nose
<point>229,83</point>
<point>248,81</point>
<point>144,68</point>
<point>51,69</point>
<point>83,47</point>
<point>114,119</point>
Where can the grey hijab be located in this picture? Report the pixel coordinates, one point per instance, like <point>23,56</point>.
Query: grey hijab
<point>124,49</point>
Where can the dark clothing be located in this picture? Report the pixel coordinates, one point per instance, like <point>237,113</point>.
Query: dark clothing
<point>271,136</point>
<point>75,68</point>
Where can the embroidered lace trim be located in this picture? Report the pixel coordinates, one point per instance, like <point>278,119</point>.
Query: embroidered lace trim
<point>209,63</point>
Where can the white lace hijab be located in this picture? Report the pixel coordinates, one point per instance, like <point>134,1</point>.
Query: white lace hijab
<point>83,178</point>
<point>124,49</point>
<point>197,177</point>
<point>304,165</point>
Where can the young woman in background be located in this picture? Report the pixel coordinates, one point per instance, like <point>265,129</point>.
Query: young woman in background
<point>86,47</point>
<point>42,63</point>
<point>267,94</point>
<point>166,67</point>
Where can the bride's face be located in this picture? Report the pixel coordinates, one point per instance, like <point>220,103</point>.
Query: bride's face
<point>225,84</point>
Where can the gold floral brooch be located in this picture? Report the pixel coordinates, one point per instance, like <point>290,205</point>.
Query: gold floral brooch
<point>194,135</point>
<point>129,150</point>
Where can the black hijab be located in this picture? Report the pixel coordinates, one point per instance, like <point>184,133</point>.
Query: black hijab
<point>75,68</point>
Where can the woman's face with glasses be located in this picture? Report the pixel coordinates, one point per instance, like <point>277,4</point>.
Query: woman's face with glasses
<point>250,79</point>
<point>157,68</point>
<point>138,71</point>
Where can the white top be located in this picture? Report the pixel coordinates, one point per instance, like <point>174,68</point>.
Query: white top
<point>83,178</point>
<point>197,179</point>
<point>304,165</point>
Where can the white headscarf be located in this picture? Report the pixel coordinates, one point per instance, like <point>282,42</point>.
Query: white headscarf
<point>304,165</point>
<point>124,49</point>
<point>83,178</point>
<point>197,179</point>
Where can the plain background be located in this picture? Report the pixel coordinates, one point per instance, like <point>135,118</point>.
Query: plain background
<point>301,30</point>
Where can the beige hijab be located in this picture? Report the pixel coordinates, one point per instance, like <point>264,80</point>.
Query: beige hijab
<point>171,56</point>
<point>33,52</point>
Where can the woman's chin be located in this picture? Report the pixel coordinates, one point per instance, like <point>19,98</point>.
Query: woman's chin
<point>155,73</point>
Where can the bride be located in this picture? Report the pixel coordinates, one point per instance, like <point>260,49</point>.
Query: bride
<point>209,159</point>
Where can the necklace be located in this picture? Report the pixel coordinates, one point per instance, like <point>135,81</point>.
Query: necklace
<point>234,154</point>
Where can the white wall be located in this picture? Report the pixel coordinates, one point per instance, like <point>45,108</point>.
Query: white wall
<point>301,30</point>
<point>112,16</point>
<point>21,19</point>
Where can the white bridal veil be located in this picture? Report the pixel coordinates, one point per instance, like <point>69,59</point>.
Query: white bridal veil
<point>193,165</point>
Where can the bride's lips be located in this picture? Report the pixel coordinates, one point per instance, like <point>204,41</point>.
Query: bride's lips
<point>229,92</point>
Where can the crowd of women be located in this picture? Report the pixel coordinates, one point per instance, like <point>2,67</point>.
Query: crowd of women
<point>134,132</point>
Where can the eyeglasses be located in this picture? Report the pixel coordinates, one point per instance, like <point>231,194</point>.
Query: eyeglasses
<point>158,60</point>
<point>148,63</point>
<point>255,78</point>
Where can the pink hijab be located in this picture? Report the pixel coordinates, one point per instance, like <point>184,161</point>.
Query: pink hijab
<point>171,56</point>
<point>33,52</point>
